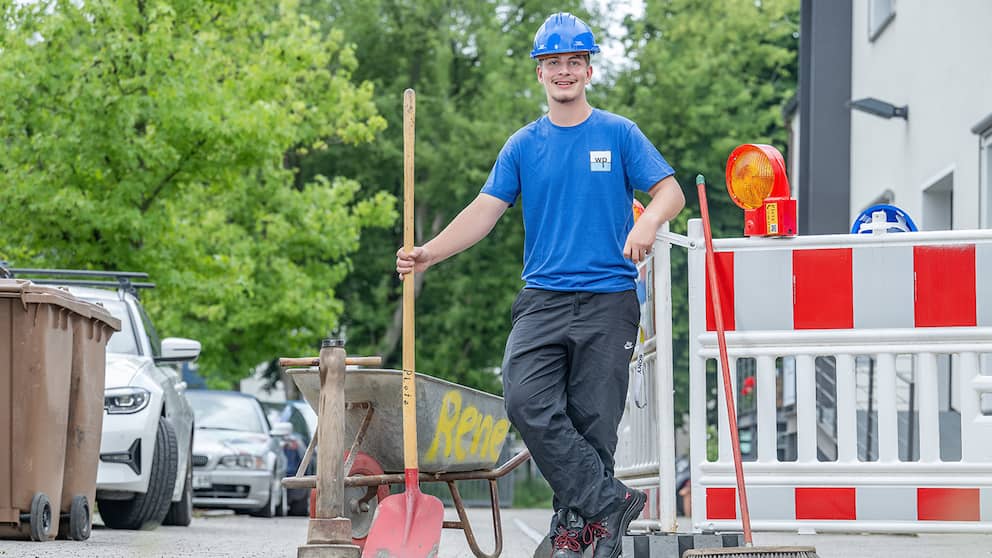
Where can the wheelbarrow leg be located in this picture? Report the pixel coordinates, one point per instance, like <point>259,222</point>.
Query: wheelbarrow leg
<point>359,438</point>
<point>360,435</point>
<point>465,526</point>
<point>308,456</point>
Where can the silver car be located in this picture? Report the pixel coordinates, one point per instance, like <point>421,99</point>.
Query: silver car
<point>238,461</point>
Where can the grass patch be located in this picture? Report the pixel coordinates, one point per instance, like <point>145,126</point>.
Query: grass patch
<point>532,493</point>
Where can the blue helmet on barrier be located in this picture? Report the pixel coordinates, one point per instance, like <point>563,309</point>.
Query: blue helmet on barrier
<point>562,33</point>
<point>889,219</point>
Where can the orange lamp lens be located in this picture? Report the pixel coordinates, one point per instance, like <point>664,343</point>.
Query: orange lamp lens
<point>638,210</point>
<point>751,178</point>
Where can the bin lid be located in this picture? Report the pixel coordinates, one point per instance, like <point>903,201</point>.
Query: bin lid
<point>30,293</point>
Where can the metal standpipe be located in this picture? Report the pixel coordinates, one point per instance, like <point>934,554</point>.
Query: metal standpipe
<point>329,532</point>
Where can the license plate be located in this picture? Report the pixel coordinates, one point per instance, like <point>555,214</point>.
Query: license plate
<point>200,482</point>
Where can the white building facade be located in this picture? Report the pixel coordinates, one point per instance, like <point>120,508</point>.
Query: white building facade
<point>934,59</point>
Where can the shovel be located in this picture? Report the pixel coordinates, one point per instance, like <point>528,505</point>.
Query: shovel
<point>408,525</point>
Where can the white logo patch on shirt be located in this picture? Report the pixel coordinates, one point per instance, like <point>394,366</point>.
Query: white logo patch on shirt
<point>599,161</point>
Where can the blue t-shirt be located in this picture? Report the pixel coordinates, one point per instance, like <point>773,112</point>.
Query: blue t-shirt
<point>577,188</point>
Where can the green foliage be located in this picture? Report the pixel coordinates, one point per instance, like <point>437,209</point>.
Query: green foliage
<point>191,138</point>
<point>469,64</point>
<point>532,492</point>
<point>154,136</point>
<point>700,79</point>
<point>712,443</point>
<point>707,77</point>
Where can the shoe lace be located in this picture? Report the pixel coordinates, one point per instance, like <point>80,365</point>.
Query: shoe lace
<point>567,539</point>
<point>593,531</point>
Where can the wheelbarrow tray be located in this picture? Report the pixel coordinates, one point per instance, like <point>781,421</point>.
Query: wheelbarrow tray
<point>459,428</point>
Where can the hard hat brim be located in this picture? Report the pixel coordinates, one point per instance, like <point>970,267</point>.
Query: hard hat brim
<point>551,52</point>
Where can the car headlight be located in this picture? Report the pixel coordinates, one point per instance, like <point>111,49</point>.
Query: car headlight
<point>125,400</point>
<point>243,461</point>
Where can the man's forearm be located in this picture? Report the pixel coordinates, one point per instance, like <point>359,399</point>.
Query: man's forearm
<point>470,226</point>
<point>667,201</point>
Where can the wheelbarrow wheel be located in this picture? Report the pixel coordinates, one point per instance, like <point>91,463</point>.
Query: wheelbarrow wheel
<point>360,513</point>
<point>41,517</point>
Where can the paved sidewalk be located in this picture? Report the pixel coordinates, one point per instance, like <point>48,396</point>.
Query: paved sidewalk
<point>523,528</point>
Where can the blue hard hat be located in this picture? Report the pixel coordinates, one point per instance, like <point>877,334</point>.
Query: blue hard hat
<point>562,33</point>
<point>896,220</point>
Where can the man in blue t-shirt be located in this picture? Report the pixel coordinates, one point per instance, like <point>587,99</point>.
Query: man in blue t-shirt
<point>575,322</point>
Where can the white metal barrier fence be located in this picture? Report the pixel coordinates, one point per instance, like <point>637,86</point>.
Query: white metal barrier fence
<point>863,383</point>
<point>645,456</point>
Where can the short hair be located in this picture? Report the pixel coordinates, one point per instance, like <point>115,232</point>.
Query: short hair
<point>585,55</point>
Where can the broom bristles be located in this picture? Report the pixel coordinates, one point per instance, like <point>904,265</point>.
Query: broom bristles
<point>753,552</point>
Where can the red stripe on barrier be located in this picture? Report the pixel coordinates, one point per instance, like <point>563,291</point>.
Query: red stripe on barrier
<point>656,512</point>
<point>826,503</point>
<point>823,289</point>
<point>948,504</point>
<point>721,503</point>
<point>652,507</point>
<point>945,285</point>
<point>725,274</point>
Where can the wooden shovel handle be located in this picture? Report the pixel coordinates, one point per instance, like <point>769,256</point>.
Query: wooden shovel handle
<point>409,384</point>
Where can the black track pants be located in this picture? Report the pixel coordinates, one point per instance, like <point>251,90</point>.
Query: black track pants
<point>564,383</point>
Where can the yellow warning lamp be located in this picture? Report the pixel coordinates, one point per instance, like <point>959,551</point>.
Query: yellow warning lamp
<point>757,183</point>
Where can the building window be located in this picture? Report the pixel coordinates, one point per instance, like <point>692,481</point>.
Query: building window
<point>938,204</point>
<point>880,13</point>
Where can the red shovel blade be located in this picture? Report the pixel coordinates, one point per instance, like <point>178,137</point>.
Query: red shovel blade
<point>407,525</point>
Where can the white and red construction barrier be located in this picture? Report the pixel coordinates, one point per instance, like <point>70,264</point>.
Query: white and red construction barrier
<point>915,307</point>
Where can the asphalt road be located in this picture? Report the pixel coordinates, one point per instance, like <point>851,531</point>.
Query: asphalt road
<point>225,535</point>
<point>230,536</point>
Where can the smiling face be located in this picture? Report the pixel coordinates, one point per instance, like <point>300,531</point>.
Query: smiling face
<point>564,76</point>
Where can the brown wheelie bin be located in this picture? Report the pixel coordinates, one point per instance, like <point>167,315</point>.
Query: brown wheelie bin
<point>92,327</point>
<point>36,339</point>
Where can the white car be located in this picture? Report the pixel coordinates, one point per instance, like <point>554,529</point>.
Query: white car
<point>145,472</point>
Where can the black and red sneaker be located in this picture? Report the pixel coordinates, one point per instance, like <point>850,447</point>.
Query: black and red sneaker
<point>570,535</point>
<point>610,529</point>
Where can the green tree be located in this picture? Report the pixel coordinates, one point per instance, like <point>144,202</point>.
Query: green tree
<point>469,64</point>
<point>155,135</point>
<point>699,79</point>
<point>706,77</point>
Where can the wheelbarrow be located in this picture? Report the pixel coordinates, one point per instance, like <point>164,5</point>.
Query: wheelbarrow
<point>462,434</point>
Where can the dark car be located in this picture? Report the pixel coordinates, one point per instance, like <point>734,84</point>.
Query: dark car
<point>304,421</point>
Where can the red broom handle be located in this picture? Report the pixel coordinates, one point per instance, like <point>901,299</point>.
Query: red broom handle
<point>728,390</point>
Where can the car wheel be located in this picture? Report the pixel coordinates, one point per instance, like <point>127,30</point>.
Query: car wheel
<point>270,507</point>
<point>181,512</point>
<point>146,511</point>
<point>283,502</point>
<point>301,505</point>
